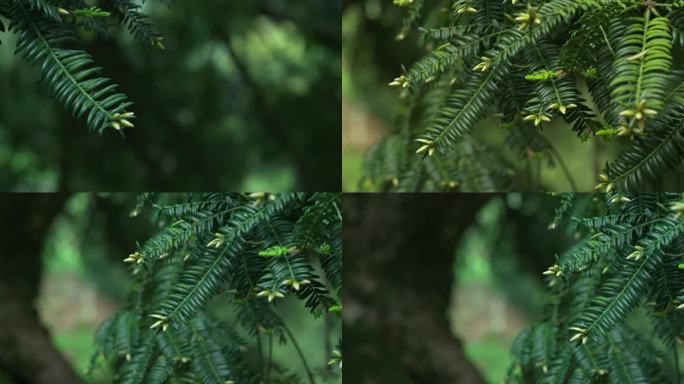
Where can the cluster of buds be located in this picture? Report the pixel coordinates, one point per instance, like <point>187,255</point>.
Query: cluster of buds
<point>562,108</point>
<point>484,65</point>
<point>270,294</point>
<point>261,197</point>
<point>631,132</point>
<point>554,271</point>
<point>619,198</point>
<point>162,322</point>
<point>336,358</point>
<point>538,118</point>
<point>296,284</point>
<point>219,239</point>
<point>605,184</point>
<point>135,258</point>
<point>678,209</point>
<point>527,19</point>
<point>159,42</point>
<point>403,3</point>
<point>580,334</point>
<point>182,359</point>
<point>401,82</point>
<point>466,10</point>
<point>642,110</point>
<point>427,148</point>
<point>120,120</point>
<point>637,254</point>
<point>638,115</point>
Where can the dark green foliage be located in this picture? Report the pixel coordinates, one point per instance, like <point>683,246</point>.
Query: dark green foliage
<point>562,209</point>
<point>45,28</point>
<point>470,166</point>
<point>527,63</point>
<point>628,261</point>
<point>137,22</point>
<point>249,250</point>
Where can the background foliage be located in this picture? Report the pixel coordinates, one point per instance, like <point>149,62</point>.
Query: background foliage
<point>244,94</point>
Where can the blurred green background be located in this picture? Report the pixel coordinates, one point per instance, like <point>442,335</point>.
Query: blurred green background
<point>372,57</point>
<point>498,290</point>
<point>245,94</point>
<point>84,280</point>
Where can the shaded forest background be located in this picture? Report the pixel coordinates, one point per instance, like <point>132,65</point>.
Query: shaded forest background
<point>245,94</point>
<point>62,274</point>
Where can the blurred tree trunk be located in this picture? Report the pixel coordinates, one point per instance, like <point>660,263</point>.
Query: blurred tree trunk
<point>398,255</point>
<point>26,351</point>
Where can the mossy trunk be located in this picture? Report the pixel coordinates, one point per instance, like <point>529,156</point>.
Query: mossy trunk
<point>398,257</point>
<point>26,351</point>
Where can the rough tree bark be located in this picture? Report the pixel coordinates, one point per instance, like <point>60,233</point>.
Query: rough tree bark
<point>26,351</point>
<point>398,255</point>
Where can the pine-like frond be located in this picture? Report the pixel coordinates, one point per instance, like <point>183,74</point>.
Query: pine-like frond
<point>533,61</point>
<point>71,75</point>
<point>208,362</point>
<point>464,108</point>
<point>468,103</point>
<point>643,58</point>
<point>46,7</point>
<point>446,56</point>
<point>134,371</point>
<point>618,295</point>
<point>138,23</point>
<point>661,149</point>
<point>631,260</point>
<point>414,9</point>
<point>250,249</point>
<point>201,280</point>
